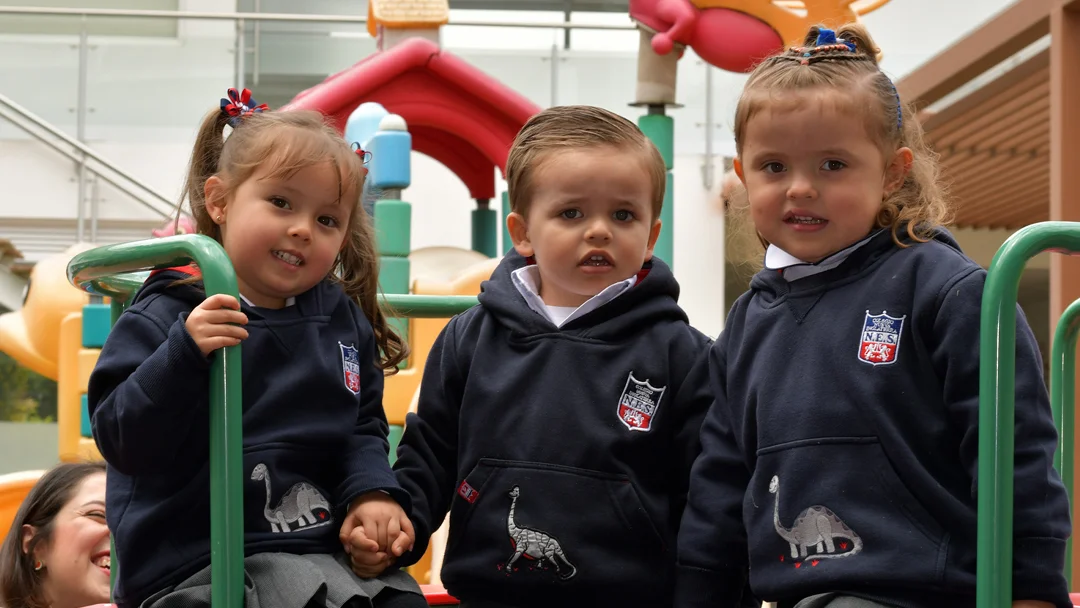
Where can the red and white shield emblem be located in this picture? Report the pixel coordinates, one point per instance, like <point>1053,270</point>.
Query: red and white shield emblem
<point>880,340</point>
<point>638,403</point>
<point>350,367</point>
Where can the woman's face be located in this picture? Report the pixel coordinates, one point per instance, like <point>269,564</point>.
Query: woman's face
<point>77,557</point>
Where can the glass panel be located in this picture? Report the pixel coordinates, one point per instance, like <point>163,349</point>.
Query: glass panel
<point>145,102</point>
<point>105,26</point>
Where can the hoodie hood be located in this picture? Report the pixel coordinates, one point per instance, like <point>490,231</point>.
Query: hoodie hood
<point>169,279</point>
<point>655,297</point>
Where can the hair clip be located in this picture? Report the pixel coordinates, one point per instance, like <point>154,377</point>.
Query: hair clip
<point>365,155</point>
<point>240,104</point>
<point>826,42</point>
<point>899,107</point>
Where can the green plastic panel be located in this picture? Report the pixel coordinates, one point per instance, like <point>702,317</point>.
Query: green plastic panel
<point>394,275</point>
<point>395,438</point>
<point>393,227</point>
<point>84,418</point>
<point>96,322</point>
<point>485,231</point>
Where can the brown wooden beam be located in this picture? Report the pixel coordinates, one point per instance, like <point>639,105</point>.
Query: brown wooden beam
<point>1027,74</point>
<point>1010,31</point>
<point>1064,159</point>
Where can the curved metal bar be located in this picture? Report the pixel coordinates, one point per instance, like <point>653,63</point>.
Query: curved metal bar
<point>997,402</point>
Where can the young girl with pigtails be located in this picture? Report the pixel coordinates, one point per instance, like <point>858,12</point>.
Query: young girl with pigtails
<point>839,459</point>
<point>281,192</point>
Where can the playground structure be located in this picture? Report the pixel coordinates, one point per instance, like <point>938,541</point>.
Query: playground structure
<point>412,95</point>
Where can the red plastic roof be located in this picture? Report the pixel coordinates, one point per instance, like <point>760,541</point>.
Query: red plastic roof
<point>456,113</point>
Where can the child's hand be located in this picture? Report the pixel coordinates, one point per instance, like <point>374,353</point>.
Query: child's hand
<point>366,559</point>
<point>214,323</point>
<point>374,532</point>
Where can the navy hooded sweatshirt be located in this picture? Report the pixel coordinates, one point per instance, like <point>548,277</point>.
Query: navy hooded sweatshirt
<point>313,425</point>
<point>840,455</point>
<point>562,454</point>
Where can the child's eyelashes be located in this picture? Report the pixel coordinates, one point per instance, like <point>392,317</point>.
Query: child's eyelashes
<point>622,215</point>
<point>328,221</point>
<point>777,167</point>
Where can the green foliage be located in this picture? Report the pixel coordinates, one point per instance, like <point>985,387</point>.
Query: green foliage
<point>24,395</point>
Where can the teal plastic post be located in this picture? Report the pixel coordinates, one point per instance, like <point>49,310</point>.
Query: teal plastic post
<point>84,418</point>
<point>484,230</point>
<point>96,322</point>
<point>1063,403</point>
<point>997,403</point>
<point>507,242</point>
<point>660,129</point>
<point>92,271</point>
<point>394,438</point>
<point>391,170</point>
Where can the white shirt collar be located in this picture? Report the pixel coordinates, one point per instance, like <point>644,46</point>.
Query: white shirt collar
<point>288,301</point>
<point>795,269</point>
<point>527,282</point>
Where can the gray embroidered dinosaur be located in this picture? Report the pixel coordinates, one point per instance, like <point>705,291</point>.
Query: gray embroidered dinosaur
<point>534,543</point>
<point>296,506</point>
<point>817,526</point>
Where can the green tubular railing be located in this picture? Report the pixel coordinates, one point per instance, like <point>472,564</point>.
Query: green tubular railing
<point>997,402</point>
<point>1063,403</point>
<point>429,307</point>
<point>95,272</point>
<point>118,271</point>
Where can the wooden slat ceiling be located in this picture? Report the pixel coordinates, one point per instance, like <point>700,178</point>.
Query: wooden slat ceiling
<point>994,147</point>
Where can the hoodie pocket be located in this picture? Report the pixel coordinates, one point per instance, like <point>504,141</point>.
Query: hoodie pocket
<point>836,510</point>
<point>287,495</point>
<point>534,525</point>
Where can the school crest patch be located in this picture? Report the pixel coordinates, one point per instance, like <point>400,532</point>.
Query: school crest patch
<point>350,367</point>
<point>880,340</point>
<point>638,403</point>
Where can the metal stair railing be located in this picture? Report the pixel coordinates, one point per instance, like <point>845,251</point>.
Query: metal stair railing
<point>81,154</point>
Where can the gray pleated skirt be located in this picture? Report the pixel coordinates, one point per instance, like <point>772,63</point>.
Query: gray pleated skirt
<point>836,600</point>
<point>284,580</point>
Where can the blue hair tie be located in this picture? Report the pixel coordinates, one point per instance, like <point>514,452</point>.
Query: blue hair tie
<point>826,42</point>
<point>825,36</point>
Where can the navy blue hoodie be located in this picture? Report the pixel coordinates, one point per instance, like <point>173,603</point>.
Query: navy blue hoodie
<point>562,455</point>
<point>840,455</point>
<point>313,424</point>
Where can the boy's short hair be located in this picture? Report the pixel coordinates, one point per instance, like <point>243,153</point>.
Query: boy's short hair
<point>577,127</point>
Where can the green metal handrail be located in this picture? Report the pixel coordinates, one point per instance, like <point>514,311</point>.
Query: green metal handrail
<point>93,271</point>
<point>118,271</point>
<point>430,307</point>
<point>1062,402</point>
<point>121,287</point>
<point>997,402</point>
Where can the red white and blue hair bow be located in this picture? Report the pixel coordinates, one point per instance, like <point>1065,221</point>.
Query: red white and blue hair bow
<point>240,104</point>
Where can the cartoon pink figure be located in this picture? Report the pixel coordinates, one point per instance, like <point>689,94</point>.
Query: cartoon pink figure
<point>729,39</point>
<point>183,225</point>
